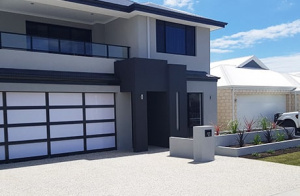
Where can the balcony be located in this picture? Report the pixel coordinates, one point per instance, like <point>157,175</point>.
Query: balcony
<point>58,46</point>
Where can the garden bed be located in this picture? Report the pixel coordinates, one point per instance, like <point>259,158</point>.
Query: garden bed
<point>223,143</point>
<point>272,153</point>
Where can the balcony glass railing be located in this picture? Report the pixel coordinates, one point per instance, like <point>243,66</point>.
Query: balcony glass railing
<point>42,44</point>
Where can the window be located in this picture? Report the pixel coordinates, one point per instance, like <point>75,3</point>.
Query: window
<point>195,104</point>
<point>175,38</point>
<point>58,32</point>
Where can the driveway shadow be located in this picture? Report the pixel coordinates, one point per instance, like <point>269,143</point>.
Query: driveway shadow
<point>86,156</point>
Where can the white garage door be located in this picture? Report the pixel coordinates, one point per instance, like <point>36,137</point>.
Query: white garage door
<point>256,106</point>
<point>36,125</point>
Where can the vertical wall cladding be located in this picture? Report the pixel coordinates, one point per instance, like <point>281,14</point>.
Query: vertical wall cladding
<point>38,124</point>
<point>156,77</point>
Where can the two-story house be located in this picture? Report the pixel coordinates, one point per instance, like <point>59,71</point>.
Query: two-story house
<point>80,76</point>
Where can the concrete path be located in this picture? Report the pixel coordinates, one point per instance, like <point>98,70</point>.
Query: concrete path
<point>151,173</point>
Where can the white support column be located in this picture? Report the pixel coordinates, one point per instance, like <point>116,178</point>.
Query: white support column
<point>204,143</point>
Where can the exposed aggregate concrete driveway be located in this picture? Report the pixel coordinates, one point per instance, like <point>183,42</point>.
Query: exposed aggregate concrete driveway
<point>151,173</point>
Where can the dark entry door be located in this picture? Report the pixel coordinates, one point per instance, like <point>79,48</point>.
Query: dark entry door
<point>157,116</point>
<point>195,117</point>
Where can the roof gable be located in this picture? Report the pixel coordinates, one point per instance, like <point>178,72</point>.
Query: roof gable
<point>252,64</point>
<point>242,62</point>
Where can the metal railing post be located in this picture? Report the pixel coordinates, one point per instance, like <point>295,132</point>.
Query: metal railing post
<point>0,40</point>
<point>107,51</point>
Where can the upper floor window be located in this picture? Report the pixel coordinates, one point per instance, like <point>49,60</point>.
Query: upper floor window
<point>58,32</point>
<point>175,38</point>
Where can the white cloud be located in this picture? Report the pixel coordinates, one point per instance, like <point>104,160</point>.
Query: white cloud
<point>285,5</point>
<point>250,38</point>
<point>283,64</point>
<point>179,3</point>
<point>220,51</point>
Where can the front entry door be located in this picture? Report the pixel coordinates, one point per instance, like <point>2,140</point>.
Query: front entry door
<point>157,117</point>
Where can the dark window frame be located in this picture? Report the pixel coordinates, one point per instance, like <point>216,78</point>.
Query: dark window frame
<point>192,121</point>
<point>51,29</point>
<point>189,38</point>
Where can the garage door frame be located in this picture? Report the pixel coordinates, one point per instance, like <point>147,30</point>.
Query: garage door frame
<point>47,107</point>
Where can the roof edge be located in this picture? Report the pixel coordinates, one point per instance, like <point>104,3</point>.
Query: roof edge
<point>265,88</point>
<point>200,76</point>
<point>151,10</point>
<point>177,15</point>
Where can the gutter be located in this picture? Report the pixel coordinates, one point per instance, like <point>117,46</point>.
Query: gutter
<point>148,9</point>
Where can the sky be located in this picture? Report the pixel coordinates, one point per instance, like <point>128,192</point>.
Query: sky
<point>268,29</point>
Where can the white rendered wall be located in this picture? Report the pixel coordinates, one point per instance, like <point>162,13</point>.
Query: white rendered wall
<point>55,62</point>
<point>124,121</point>
<point>133,32</point>
<point>200,62</point>
<point>128,32</point>
<point>209,90</point>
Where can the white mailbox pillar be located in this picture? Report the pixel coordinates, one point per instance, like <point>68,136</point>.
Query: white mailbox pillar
<point>204,143</point>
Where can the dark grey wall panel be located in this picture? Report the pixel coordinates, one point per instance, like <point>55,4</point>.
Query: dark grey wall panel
<point>140,76</point>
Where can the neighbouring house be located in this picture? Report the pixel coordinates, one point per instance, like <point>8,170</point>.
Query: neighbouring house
<point>80,76</point>
<point>247,89</point>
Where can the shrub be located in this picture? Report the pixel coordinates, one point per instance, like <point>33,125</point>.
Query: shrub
<point>241,136</point>
<point>257,139</point>
<point>264,123</point>
<point>270,151</point>
<point>273,125</point>
<point>268,135</point>
<point>255,154</point>
<point>217,128</point>
<point>233,126</point>
<point>249,124</point>
<point>279,136</point>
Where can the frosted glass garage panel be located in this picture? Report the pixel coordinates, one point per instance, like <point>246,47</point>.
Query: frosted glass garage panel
<point>65,99</point>
<point>100,128</point>
<point>1,135</point>
<point>27,150</point>
<point>100,113</point>
<point>57,131</point>
<point>27,133</point>
<point>1,99</point>
<point>26,116</point>
<point>2,153</point>
<point>67,146</point>
<point>59,115</point>
<point>1,117</point>
<point>25,99</point>
<point>101,143</point>
<point>99,99</point>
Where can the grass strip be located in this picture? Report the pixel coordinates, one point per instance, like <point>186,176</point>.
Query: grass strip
<point>289,159</point>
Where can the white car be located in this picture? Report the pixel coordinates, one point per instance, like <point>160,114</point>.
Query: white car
<point>288,119</point>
